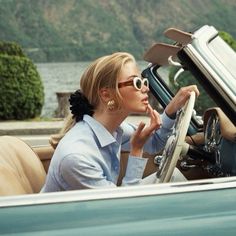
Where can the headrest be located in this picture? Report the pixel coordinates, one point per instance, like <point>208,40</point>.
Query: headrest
<point>21,171</point>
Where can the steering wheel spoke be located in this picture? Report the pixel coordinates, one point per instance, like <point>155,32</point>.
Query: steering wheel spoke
<point>175,145</point>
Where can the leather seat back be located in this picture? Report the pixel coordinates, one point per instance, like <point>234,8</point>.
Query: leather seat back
<point>21,171</point>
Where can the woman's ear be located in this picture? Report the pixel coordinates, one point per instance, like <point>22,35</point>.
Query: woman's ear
<point>107,98</point>
<point>105,94</point>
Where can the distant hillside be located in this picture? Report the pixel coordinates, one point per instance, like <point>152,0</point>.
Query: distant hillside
<point>73,30</point>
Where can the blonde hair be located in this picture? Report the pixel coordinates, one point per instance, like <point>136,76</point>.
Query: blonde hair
<point>102,73</point>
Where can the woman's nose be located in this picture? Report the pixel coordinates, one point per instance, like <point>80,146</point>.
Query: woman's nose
<point>145,89</point>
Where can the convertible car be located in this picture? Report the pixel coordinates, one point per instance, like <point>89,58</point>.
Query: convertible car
<point>202,146</point>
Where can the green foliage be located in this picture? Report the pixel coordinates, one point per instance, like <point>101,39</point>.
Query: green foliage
<point>86,29</point>
<point>228,39</point>
<point>21,88</point>
<point>11,49</point>
<point>185,79</point>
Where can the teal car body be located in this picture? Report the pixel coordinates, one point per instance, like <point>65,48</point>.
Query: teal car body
<point>196,208</point>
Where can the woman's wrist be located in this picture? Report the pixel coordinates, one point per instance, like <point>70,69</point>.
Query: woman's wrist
<point>170,112</point>
<point>171,116</point>
<point>136,152</point>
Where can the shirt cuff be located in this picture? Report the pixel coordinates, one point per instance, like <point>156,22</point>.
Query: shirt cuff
<point>135,167</point>
<point>167,122</point>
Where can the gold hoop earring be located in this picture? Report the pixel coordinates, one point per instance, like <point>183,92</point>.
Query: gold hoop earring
<point>111,105</point>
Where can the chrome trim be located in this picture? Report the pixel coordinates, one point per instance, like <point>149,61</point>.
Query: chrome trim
<point>120,192</point>
<point>173,63</point>
<point>178,73</point>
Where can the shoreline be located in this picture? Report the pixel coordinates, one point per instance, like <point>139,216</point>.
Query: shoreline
<point>46,127</point>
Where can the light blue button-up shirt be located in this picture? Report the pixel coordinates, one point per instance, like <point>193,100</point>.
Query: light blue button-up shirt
<point>88,156</point>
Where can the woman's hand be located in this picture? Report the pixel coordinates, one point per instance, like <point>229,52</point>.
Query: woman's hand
<point>180,99</point>
<point>144,131</point>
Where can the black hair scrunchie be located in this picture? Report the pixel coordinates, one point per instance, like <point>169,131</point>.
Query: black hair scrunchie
<point>79,105</point>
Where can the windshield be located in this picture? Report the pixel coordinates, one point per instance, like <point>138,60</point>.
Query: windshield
<point>185,78</point>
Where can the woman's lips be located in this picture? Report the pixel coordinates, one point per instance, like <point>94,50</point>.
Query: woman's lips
<point>145,100</point>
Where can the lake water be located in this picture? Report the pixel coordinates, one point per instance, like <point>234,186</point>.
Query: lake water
<point>61,77</point>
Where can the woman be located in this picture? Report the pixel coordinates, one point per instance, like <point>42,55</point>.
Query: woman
<point>88,154</point>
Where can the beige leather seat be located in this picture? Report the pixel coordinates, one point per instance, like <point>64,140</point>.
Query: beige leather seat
<point>21,171</point>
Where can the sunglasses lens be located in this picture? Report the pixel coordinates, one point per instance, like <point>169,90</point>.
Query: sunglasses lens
<point>145,82</point>
<point>138,83</point>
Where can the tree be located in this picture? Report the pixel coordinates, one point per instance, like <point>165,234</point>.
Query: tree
<point>21,88</point>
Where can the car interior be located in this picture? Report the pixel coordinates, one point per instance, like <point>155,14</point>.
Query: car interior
<point>24,168</point>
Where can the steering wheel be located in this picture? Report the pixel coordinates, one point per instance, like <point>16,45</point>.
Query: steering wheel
<point>175,146</point>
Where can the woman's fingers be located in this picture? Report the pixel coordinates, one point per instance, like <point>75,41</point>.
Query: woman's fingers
<point>155,119</point>
<point>144,131</point>
<point>186,91</point>
<point>180,99</point>
<point>140,128</point>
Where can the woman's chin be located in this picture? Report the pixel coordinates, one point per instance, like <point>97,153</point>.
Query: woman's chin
<point>142,110</point>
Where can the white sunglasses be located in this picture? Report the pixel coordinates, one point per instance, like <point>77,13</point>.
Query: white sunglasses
<point>137,82</point>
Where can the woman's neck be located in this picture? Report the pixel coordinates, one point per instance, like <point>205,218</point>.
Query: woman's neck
<point>110,120</point>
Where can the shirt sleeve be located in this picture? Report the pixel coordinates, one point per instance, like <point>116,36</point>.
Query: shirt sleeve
<point>79,173</point>
<point>156,142</point>
<point>162,134</point>
<point>134,170</point>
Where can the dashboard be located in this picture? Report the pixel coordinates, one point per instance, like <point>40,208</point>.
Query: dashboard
<point>219,141</point>
<point>212,153</point>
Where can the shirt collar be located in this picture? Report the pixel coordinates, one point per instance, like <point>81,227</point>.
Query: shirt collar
<point>103,135</point>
